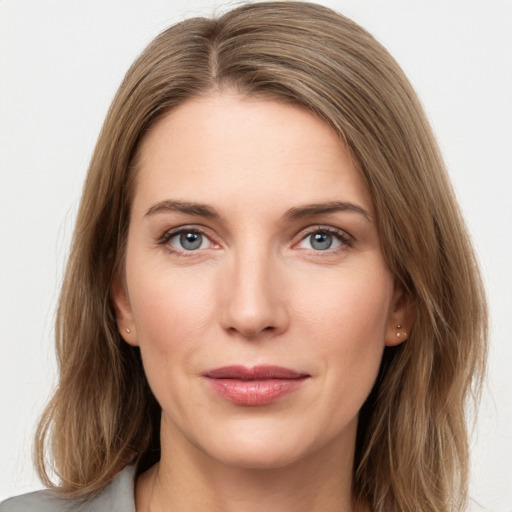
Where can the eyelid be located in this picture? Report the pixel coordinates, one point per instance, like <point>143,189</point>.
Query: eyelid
<point>189,228</point>
<point>346,239</point>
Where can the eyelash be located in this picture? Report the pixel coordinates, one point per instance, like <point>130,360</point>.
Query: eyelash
<point>169,235</point>
<point>343,237</point>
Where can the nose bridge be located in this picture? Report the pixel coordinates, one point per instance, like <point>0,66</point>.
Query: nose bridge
<point>253,291</point>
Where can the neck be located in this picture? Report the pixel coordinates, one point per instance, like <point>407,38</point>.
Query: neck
<point>188,480</point>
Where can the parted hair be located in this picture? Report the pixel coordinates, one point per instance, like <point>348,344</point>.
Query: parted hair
<point>412,440</point>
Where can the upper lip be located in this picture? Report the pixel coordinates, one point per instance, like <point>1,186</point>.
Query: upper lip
<point>261,372</point>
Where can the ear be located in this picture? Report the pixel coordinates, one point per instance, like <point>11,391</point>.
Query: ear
<point>123,309</point>
<point>401,317</point>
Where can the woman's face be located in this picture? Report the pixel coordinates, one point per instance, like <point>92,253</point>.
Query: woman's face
<point>256,287</point>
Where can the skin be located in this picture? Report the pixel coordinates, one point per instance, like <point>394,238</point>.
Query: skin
<point>257,291</point>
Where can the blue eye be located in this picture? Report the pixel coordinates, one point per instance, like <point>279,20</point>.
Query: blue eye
<point>189,241</point>
<point>322,240</point>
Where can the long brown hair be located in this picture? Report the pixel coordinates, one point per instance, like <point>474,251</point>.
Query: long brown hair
<point>412,444</point>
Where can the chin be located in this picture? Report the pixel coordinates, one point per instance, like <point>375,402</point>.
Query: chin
<point>269,449</point>
<point>255,457</point>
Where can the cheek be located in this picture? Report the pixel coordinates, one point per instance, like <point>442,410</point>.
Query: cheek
<point>345,318</point>
<point>165,309</point>
<point>172,310</point>
<point>171,316</point>
<point>348,307</point>
<point>164,296</point>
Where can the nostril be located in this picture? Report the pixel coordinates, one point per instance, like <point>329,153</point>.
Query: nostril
<point>250,332</point>
<point>253,308</point>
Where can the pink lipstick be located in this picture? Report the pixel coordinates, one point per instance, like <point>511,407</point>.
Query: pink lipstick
<point>260,385</point>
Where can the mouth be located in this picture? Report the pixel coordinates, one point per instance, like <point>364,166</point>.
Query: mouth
<point>256,386</point>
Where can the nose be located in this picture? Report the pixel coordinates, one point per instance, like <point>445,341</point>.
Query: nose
<point>253,296</point>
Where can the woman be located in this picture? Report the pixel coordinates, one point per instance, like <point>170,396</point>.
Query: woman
<point>271,301</point>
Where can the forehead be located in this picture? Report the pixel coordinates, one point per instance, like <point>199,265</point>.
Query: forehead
<point>225,147</point>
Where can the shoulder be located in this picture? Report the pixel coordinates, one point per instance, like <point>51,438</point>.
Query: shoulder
<point>118,495</point>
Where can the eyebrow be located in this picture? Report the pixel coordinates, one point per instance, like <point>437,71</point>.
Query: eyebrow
<point>199,209</point>
<point>309,210</point>
<point>295,213</point>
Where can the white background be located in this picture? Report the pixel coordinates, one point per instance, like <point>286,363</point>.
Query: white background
<point>60,64</point>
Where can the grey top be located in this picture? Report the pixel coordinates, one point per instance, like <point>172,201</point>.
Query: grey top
<point>118,496</point>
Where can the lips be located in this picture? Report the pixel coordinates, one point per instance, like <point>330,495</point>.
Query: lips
<point>259,385</point>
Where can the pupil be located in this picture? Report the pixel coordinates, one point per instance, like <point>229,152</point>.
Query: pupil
<point>190,241</point>
<point>321,241</point>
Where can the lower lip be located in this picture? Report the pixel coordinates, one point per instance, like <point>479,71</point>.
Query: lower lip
<point>254,392</point>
